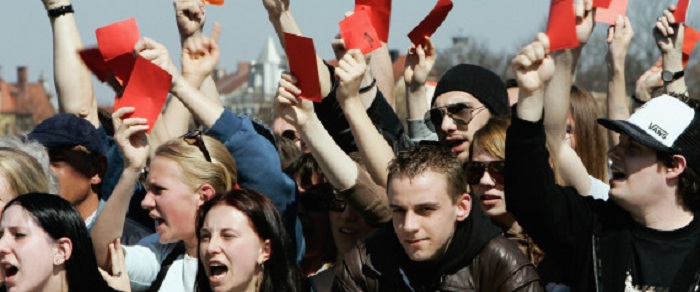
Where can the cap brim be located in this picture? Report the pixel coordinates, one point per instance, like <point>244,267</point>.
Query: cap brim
<point>636,133</point>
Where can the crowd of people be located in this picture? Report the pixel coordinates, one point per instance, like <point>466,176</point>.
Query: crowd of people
<point>491,185</point>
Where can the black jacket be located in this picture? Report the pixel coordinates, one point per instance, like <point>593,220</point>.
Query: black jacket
<point>575,231</point>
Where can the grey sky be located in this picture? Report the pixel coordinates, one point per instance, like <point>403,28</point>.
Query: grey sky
<point>502,24</point>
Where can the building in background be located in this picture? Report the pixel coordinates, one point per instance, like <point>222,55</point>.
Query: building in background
<point>23,104</point>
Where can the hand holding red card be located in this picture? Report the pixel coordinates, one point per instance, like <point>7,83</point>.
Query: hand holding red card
<point>379,14</point>
<point>561,28</point>
<point>302,63</point>
<point>430,24</point>
<point>616,8</point>
<point>116,43</point>
<point>681,11</point>
<point>690,39</point>
<point>358,33</point>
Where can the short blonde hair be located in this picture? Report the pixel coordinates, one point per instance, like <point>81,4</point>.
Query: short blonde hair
<point>23,172</point>
<point>221,173</point>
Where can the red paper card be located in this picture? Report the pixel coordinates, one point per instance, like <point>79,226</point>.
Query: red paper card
<point>302,63</point>
<point>95,62</point>
<point>116,43</point>
<point>681,10</point>
<point>147,91</point>
<point>431,22</point>
<point>601,3</point>
<point>358,33</point>
<point>379,14</point>
<point>690,39</point>
<point>215,2</point>
<point>561,28</point>
<point>609,15</point>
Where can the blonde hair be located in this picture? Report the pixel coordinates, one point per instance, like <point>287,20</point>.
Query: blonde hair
<point>221,173</point>
<point>492,137</point>
<point>591,138</point>
<point>23,172</point>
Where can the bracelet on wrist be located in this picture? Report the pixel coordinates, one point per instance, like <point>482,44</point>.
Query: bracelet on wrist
<point>637,100</point>
<point>61,10</point>
<point>368,87</point>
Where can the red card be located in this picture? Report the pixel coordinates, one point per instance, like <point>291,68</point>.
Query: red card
<point>690,39</point>
<point>215,2</point>
<point>601,3</point>
<point>116,43</point>
<point>358,33</point>
<point>146,92</point>
<point>681,10</point>
<point>431,22</point>
<point>95,62</point>
<point>609,15</point>
<point>561,28</point>
<point>302,63</point>
<point>379,14</point>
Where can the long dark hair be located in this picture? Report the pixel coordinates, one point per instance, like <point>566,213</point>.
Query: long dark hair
<point>60,219</point>
<point>280,272</point>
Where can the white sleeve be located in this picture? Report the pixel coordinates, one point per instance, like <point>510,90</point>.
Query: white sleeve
<point>143,261</point>
<point>599,189</point>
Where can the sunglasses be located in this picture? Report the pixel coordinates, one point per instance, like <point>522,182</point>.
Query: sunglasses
<point>475,171</point>
<point>316,197</point>
<point>337,205</point>
<point>194,138</point>
<point>291,135</point>
<point>460,113</point>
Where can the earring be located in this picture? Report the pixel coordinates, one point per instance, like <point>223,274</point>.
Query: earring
<point>58,261</point>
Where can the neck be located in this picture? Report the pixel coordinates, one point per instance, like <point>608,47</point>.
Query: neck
<point>251,286</point>
<point>663,216</point>
<point>57,281</point>
<point>191,246</point>
<point>88,206</point>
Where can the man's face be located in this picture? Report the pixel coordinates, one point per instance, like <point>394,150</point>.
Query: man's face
<point>637,180</point>
<point>454,135</point>
<point>76,173</point>
<point>424,214</point>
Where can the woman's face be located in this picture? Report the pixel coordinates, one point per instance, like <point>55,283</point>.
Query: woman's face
<point>230,249</point>
<point>347,226</point>
<point>171,202</point>
<point>489,193</point>
<point>27,252</point>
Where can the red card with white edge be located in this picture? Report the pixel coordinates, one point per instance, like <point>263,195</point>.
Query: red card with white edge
<point>147,90</point>
<point>609,15</point>
<point>430,24</point>
<point>302,63</point>
<point>116,43</point>
<point>561,28</point>
<point>358,33</point>
<point>681,10</point>
<point>690,39</point>
<point>379,14</point>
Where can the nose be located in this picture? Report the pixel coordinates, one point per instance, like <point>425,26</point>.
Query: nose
<point>448,124</point>
<point>349,214</point>
<point>614,152</point>
<point>410,223</point>
<point>486,179</point>
<point>214,245</point>
<point>4,244</point>
<point>148,201</point>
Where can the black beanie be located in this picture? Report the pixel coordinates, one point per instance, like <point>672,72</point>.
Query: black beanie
<point>480,82</point>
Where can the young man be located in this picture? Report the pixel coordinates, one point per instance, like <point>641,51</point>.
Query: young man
<point>437,242</point>
<point>645,238</point>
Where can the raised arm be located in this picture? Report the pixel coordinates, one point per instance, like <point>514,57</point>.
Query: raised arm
<point>419,62</point>
<point>534,68</point>
<point>72,78</point>
<point>281,18</point>
<point>619,39</point>
<point>669,38</point>
<point>382,69</point>
<point>375,151</point>
<point>130,136</point>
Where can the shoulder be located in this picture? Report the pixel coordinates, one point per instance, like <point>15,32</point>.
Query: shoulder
<point>500,261</point>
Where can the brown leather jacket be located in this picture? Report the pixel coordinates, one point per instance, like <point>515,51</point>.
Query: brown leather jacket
<point>500,266</point>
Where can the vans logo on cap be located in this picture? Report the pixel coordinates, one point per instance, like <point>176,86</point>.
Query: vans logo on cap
<point>658,130</point>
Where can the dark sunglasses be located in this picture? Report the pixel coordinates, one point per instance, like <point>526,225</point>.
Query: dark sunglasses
<point>475,171</point>
<point>337,205</point>
<point>291,135</point>
<point>460,113</point>
<point>316,198</point>
<point>194,138</point>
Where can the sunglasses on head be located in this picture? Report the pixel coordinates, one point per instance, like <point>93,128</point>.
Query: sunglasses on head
<point>194,138</point>
<point>460,113</point>
<point>475,171</point>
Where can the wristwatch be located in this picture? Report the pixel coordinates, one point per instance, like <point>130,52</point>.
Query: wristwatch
<point>668,76</point>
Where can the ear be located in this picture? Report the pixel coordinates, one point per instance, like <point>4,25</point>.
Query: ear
<point>63,251</point>
<point>100,168</point>
<point>464,206</point>
<point>265,252</point>
<point>678,167</point>
<point>205,192</point>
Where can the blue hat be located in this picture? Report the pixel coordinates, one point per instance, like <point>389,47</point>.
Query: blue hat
<point>68,130</point>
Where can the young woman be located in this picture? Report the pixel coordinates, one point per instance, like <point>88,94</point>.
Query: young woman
<point>243,245</point>
<point>44,246</point>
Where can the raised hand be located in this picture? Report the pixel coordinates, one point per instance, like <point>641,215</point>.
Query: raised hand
<point>289,106</point>
<point>534,66</point>
<point>157,54</point>
<point>118,277</point>
<point>668,33</point>
<point>200,54</point>
<point>51,4</point>
<point>130,136</point>
<point>584,20</point>
<point>338,45</point>
<point>190,16</point>
<point>419,61</point>
<point>276,7</point>
<point>619,39</point>
<point>351,68</point>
